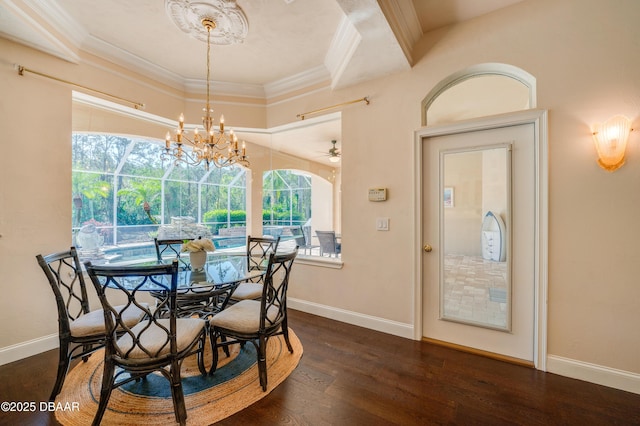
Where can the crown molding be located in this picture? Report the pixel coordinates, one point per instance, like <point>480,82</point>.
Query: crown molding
<point>404,23</point>
<point>295,82</point>
<point>276,88</point>
<point>281,101</point>
<point>60,20</point>
<point>50,23</point>
<point>343,45</point>
<point>225,88</point>
<point>65,38</point>
<point>121,57</point>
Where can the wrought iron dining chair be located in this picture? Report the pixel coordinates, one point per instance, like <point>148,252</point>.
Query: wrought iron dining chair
<point>256,321</point>
<point>188,303</point>
<point>154,344</point>
<point>81,331</point>
<point>171,248</point>
<point>258,251</point>
<point>328,243</point>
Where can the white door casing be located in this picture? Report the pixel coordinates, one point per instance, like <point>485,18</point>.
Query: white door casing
<point>532,329</point>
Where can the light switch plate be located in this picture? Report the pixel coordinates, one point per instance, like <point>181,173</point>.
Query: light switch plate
<point>382,224</point>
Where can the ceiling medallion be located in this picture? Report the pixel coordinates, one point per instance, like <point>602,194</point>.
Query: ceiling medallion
<point>231,22</point>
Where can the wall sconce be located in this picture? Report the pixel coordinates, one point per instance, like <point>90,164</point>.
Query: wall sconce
<point>611,138</point>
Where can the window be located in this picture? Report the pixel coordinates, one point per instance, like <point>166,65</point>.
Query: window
<point>286,199</point>
<point>123,191</point>
<point>286,206</point>
<point>294,205</point>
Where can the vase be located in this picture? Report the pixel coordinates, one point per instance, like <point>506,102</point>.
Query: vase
<point>197,260</point>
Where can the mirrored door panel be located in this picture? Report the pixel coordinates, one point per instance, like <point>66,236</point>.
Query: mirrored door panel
<point>475,264</point>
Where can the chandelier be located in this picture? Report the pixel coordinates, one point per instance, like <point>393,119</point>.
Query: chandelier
<point>214,146</point>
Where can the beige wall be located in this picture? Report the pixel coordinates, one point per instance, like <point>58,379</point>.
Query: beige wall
<point>583,55</point>
<point>34,210</point>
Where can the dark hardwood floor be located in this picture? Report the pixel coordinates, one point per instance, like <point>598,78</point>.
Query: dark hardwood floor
<point>353,376</point>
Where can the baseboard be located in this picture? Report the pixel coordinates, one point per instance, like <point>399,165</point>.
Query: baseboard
<point>29,348</point>
<point>593,373</point>
<point>605,376</point>
<point>374,323</point>
<point>45,343</point>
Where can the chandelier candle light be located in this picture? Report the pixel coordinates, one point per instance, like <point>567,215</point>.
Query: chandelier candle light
<point>215,146</point>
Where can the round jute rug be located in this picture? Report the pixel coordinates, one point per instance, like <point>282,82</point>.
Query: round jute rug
<point>208,399</point>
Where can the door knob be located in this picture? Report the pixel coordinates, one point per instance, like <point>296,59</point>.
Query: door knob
<point>427,248</point>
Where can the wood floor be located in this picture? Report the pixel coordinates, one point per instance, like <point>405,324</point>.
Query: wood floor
<point>353,376</point>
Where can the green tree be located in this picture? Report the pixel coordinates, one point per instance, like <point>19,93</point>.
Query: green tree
<point>141,192</point>
<point>286,197</point>
<point>90,187</point>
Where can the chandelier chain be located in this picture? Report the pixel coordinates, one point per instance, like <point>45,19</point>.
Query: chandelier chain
<point>215,146</point>
<point>208,66</point>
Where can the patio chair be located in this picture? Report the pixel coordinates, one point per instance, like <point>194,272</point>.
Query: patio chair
<point>328,243</point>
<point>80,330</point>
<point>154,344</point>
<point>302,240</point>
<point>256,321</point>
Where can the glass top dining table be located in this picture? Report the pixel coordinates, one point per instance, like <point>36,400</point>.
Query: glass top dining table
<point>207,291</point>
<point>220,269</point>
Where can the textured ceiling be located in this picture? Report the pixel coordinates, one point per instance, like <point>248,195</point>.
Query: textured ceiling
<point>291,44</point>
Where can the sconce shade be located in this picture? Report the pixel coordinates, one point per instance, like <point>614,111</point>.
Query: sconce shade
<point>611,141</point>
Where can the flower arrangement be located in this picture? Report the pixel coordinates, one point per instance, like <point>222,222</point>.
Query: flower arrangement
<point>201,244</point>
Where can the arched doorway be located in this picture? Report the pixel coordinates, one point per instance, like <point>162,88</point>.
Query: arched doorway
<point>457,149</point>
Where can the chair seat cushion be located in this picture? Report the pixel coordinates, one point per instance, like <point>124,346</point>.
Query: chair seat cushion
<point>93,323</point>
<point>243,317</point>
<point>154,338</point>
<point>247,291</point>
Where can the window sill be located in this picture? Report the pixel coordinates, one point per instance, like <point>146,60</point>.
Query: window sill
<point>324,262</point>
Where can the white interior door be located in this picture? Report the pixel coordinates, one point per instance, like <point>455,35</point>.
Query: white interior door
<point>479,237</point>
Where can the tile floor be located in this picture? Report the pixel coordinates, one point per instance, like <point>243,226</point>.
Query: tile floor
<point>475,290</point>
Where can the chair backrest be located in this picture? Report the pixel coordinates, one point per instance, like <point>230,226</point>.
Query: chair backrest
<point>258,250</point>
<point>272,231</point>
<point>299,236</point>
<point>306,230</point>
<point>327,240</point>
<point>172,248</point>
<point>154,337</point>
<point>273,308</point>
<point>64,272</point>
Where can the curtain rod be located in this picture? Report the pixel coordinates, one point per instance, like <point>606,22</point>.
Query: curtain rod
<point>365,100</point>
<point>22,70</point>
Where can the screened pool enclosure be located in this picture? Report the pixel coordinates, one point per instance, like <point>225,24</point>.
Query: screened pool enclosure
<point>124,192</point>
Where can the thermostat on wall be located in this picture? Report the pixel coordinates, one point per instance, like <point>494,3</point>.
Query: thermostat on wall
<point>378,194</point>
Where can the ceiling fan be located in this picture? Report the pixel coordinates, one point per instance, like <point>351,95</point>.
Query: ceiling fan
<point>334,152</point>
